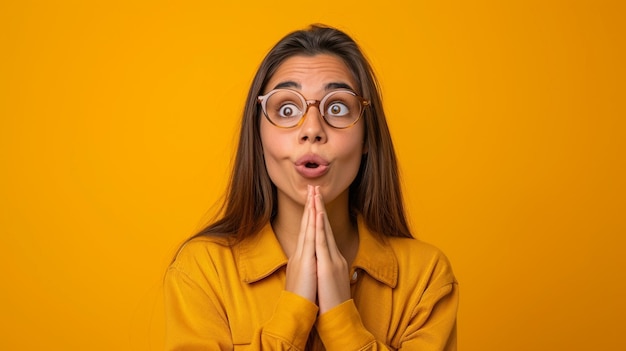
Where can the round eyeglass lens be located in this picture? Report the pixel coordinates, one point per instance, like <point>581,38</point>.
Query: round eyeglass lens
<point>341,108</point>
<point>285,108</point>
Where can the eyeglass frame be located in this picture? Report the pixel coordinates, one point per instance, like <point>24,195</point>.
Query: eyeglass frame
<point>262,99</point>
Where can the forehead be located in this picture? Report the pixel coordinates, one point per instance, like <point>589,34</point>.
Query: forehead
<point>312,72</point>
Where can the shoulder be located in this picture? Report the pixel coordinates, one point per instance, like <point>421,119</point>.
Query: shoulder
<point>201,253</point>
<point>415,249</point>
<point>204,244</point>
<point>417,258</point>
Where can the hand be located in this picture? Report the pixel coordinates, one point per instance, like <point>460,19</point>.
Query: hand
<point>333,283</point>
<point>301,277</point>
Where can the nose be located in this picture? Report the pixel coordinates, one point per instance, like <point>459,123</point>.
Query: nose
<point>313,128</point>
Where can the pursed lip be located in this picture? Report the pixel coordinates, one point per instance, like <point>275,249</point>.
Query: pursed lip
<point>311,166</point>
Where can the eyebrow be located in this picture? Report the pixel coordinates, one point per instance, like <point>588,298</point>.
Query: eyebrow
<point>328,87</point>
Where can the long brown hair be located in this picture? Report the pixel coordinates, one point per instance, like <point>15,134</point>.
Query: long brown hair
<point>375,194</point>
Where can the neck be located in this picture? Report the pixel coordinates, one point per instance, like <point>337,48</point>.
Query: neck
<point>286,225</point>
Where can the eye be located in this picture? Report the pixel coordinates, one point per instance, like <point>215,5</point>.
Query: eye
<point>337,109</point>
<point>288,110</point>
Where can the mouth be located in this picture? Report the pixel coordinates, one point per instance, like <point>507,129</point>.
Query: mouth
<point>311,166</point>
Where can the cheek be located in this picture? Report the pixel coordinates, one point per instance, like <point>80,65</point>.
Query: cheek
<point>358,142</point>
<point>354,152</point>
<point>270,141</point>
<point>273,150</point>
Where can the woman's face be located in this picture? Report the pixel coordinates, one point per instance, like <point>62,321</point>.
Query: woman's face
<point>313,153</point>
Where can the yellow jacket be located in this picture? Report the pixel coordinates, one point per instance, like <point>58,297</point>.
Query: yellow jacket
<point>225,297</point>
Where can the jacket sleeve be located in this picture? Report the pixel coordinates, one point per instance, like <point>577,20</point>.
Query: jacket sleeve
<point>196,319</point>
<point>430,327</point>
<point>433,321</point>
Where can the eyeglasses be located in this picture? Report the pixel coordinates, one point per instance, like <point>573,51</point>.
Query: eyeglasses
<point>286,108</point>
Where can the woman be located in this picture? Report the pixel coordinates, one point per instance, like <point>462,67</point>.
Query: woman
<point>312,250</point>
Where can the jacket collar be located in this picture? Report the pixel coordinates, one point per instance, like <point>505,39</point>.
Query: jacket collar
<point>261,255</point>
<point>376,257</point>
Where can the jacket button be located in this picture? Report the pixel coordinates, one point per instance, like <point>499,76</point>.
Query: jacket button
<point>354,276</point>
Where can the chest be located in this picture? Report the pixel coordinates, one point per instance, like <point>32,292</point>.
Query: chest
<point>250,306</point>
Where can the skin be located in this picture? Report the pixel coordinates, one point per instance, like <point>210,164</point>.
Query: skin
<point>312,223</point>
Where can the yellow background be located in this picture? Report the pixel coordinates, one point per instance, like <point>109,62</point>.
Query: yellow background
<point>117,124</point>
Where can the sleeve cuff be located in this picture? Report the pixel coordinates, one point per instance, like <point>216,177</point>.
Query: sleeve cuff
<point>341,328</point>
<point>293,319</point>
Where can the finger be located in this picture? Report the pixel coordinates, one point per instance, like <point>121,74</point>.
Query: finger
<point>329,236</point>
<point>309,233</point>
<point>322,227</point>
<point>304,223</point>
